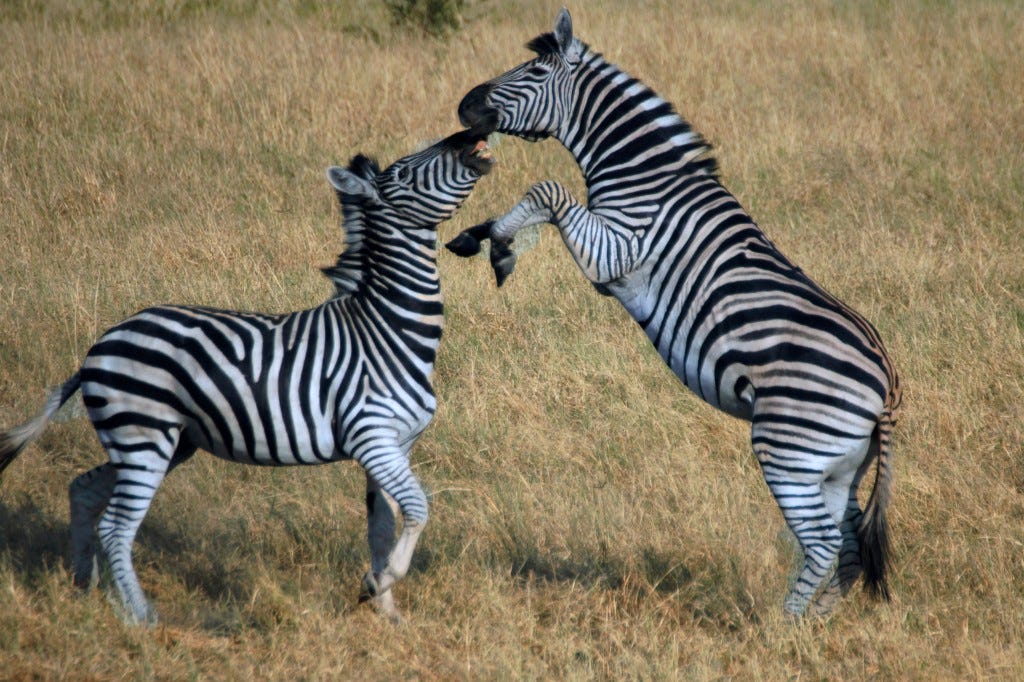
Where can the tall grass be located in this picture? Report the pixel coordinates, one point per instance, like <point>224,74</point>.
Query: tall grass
<point>589,517</point>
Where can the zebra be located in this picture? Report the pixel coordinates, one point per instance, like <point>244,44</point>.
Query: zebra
<point>348,379</point>
<point>739,324</point>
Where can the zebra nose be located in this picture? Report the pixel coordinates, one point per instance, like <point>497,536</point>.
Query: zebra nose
<point>473,109</point>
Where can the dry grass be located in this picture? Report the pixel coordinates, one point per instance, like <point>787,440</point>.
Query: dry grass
<point>590,518</point>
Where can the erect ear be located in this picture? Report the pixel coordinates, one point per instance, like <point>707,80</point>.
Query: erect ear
<point>349,184</point>
<point>569,47</point>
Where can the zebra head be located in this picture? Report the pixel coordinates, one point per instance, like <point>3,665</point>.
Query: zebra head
<point>534,99</point>
<point>422,189</point>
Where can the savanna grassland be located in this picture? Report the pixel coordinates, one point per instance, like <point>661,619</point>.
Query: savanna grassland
<point>590,518</point>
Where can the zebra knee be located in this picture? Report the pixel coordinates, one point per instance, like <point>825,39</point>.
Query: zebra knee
<point>392,475</point>
<point>414,506</point>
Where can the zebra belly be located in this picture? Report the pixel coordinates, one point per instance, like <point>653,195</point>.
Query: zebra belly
<point>731,395</point>
<point>731,392</point>
<point>278,445</point>
<point>138,409</point>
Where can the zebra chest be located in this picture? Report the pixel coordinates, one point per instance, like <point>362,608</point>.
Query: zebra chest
<point>392,412</point>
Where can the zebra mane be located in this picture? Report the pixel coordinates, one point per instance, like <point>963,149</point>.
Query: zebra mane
<point>349,270</point>
<point>694,147</point>
<point>697,151</point>
<point>545,43</point>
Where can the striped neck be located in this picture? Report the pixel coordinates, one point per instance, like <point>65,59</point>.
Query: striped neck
<point>384,255</point>
<point>619,128</point>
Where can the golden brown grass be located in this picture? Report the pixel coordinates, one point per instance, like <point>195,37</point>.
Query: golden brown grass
<point>590,518</point>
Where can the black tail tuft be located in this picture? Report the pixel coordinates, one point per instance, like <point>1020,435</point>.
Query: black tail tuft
<point>873,531</point>
<point>873,537</point>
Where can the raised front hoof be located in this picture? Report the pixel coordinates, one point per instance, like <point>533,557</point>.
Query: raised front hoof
<point>464,245</point>
<point>503,260</point>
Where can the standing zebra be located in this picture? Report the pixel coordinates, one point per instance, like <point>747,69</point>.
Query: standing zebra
<point>348,379</point>
<point>737,322</point>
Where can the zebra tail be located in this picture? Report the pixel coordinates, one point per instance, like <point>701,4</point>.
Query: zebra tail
<point>14,440</point>
<point>873,533</point>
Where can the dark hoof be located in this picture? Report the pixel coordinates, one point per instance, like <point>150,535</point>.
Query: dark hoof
<point>467,243</point>
<point>370,588</point>
<point>503,260</point>
<point>464,245</point>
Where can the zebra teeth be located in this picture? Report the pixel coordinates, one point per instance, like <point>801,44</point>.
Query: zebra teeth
<point>481,150</point>
<point>479,158</point>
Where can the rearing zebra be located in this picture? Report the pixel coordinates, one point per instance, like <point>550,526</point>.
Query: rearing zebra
<point>737,322</point>
<point>348,379</point>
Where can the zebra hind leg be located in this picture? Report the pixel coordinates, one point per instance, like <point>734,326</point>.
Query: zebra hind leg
<point>803,506</point>
<point>841,496</point>
<point>132,494</point>
<point>848,570</point>
<point>380,518</point>
<point>89,495</point>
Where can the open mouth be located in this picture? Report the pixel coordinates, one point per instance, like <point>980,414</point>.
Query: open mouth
<point>480,158</point>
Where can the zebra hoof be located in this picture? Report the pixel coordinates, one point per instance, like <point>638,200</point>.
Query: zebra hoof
<point>143,615</point>
<point>384,605</point>
<point>464,245</point>
<point>87,578</point>
<point>503,260</point>
<point>369,589</point>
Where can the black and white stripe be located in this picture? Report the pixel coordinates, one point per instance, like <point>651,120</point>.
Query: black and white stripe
<point>737,322</point>
<point>348,379</point>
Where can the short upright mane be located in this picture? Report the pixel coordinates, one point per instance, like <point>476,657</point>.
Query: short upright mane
<point>349,270</point>
<point>545,43</point>
<point>697,150</point>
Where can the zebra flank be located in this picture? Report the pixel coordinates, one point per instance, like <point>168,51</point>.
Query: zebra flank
<point>348,379</point>
<point>739,324</point>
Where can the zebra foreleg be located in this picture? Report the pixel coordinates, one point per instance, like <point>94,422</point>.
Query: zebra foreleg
<point>380,517</point>
<point>388,467</point>
<point>89,495</point>
<point>540,205</point>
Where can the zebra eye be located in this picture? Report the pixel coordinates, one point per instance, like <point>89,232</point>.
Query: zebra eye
<point>538,71</point>
<point>403,174</point>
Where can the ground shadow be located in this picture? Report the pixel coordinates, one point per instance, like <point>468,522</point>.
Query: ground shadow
<point>32,539</point>
<point>707,591</point>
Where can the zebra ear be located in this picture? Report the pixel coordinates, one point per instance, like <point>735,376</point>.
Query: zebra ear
<point>569,47</point>
<point>348,184</point>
